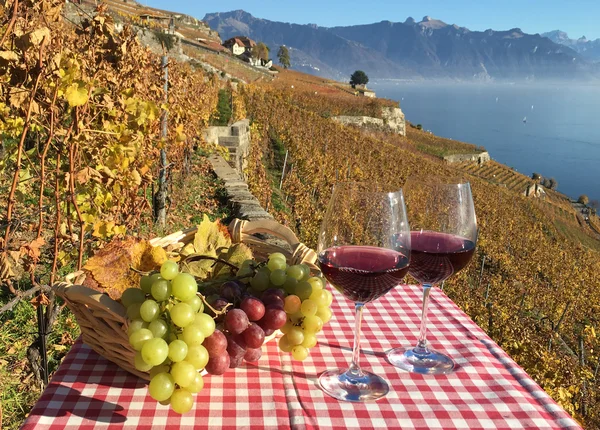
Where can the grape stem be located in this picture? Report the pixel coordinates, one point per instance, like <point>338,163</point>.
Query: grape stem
<point>140,272</point>
<point>197,257</point>
<point>217,313</point>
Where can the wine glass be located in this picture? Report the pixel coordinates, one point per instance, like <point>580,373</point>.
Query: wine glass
<point>443,237</point>
<point>364,251</point>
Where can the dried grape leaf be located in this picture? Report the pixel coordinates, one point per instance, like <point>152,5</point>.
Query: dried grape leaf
<point>236,254</point>
<point>110,271</point>
<point>211,236</point>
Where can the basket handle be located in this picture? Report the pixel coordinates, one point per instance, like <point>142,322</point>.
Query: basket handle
<point>300,252</point>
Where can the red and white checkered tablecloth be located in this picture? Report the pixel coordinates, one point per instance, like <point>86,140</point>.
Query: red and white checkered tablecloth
<point>488,390</point>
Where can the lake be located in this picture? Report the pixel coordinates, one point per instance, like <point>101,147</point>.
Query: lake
<point>560,137</point>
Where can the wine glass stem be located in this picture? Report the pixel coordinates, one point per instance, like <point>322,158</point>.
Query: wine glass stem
<point>354,369</point>
<point>421,347</point>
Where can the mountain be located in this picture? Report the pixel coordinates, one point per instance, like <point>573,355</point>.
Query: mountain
<point>587,48</point>
<point>426,49</point>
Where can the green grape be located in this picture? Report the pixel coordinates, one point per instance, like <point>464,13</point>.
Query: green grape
<point>319,297</point>
<point>182,314</point>
<point>292,304</point>
<point>278,277</point>
<point>184,286</point>
<point>140,364</point>
<point>178,349</point>
<point>316,283</point>
<point>161,387</point>
<point>299,352</point>
<point>166,402</point>
<point>153,278</point>
<point>290,285</point>
<point>286,327</point>
<point>312,324</point>
<point>247,263</point>
<point>276,263</point>
<point>197,385</point>
<point>297,317</point>
<point>295,272</point>
<point>192,335</point>
<point>196,304</point>
<point>284,344</point>
<point>146,284</point>
<point>139,338</point>
<point>245,271</point>
<point>133,311</point>
<point>161,290</point>
<point>131,296</point>
<point>206,323</point>
<point>135,325</point>
<point>277,255</point>
<point>169,270</point>
<point>181,401</point>
<point>310,340</point>
<point>155,351</point>
<point>198,356</point>
<point>329,297</point>
<point>183,373</point>
<point>305,272</point>
<point>149,311</point>
<point>295,336</point>
<point>308,307</point>
<point>303,290</point>
<point>158,369</point>
<point>158,327</point>
<point>260,281</point>
<point>325,314</point>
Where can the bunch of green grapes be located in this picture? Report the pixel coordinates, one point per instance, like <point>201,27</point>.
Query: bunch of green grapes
<point>167,327</point>
<point>304,299</point>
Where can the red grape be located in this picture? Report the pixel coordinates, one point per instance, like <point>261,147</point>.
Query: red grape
<point>254,308</point>
<point>230,290</point>
<point>254,336</point>
<point>253,354</point>
<point>274,291</point>
<point>273,301</point>
<point>274,318</point>
<point>236,345</point>
<point>235,361</point>
<point>218,364</point>
<point>215,344</point>
<point>236,321</point>
<point>268,331</point>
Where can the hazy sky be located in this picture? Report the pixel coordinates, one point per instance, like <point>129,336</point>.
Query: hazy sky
<point>576,17</point>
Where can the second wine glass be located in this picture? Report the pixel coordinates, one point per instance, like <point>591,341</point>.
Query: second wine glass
<point>443,237</point>
<point>364,251</point>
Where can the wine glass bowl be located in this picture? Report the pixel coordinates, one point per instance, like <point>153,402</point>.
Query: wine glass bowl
<point>443,237</point>
<point>364,252</point>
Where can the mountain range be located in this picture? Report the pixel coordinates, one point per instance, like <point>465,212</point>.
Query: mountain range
<point>429,48</point>
<point>587,48</point>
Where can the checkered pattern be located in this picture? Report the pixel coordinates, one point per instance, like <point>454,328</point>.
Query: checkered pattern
<point>488,390</point>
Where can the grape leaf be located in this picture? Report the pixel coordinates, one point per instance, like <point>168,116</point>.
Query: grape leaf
<point>235,255</point>
<point>110,271</point>
<point>76,94</point>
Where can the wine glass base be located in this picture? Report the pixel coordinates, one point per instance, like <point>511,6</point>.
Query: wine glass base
<point>344,385</point>
<point>431,363</point>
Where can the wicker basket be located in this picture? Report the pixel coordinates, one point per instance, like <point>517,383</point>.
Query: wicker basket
<point>103,321</point>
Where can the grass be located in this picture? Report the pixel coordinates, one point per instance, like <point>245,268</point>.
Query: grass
<point>191,196</point>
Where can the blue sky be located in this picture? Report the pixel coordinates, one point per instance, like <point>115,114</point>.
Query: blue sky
<point>576,17</point>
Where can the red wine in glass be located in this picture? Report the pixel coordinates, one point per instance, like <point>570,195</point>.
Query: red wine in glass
<point>437,256</point>
<point>363,273</point>
<point>444,231</point>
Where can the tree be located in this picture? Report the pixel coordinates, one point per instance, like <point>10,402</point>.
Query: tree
<point>536,176</point>
<point>358,78</point>
<point>260,50</point>
<point>284,56</point>
<point>583,199</point>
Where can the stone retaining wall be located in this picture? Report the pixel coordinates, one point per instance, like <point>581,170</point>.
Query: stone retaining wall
<point>480,157</point>
<point>393,120</point>
<point>236,138</point>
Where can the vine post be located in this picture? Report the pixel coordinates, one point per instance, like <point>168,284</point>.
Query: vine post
<point>160,198</point>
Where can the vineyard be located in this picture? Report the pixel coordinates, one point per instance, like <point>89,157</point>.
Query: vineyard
<point>81,122</point>
<point>532,289</point>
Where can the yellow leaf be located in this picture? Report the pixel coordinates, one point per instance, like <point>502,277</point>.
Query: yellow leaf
<point>136,177</point>
<point>76,94</point>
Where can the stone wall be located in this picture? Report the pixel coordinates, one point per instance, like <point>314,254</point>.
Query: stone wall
<point>241,202</point>
<point>393,120</point>
<point>236,138</point>
<point>480,157</point>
